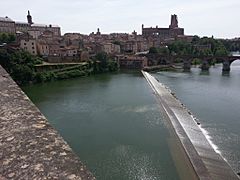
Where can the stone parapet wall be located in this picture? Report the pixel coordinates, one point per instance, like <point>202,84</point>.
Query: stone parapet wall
<point>30,148</point>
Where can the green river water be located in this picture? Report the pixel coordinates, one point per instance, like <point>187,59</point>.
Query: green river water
<point>113,122</point>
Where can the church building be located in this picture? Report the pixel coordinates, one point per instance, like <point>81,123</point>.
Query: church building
<point>164,33</point>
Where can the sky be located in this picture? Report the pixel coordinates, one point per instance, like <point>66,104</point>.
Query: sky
<point>220,18</point>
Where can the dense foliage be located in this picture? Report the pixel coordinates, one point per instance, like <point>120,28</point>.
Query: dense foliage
<point>19,64</point>
<point>103,63</point>
<point>6,38</point>
<point>198,47</point>
<point>232,45</point>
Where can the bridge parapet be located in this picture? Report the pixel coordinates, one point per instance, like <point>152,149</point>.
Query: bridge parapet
<point>30,147</point>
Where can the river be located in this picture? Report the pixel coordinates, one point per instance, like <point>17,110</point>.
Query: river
<point>214,98</point>
<point>112,121</point>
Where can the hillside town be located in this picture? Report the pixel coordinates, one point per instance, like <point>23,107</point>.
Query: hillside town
<point>128,50</point>
<point>46,41</point>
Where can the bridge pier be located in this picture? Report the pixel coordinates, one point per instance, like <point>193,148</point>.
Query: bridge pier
<point>205,65</point>
<point>226,66</point>
<point>186,66</point>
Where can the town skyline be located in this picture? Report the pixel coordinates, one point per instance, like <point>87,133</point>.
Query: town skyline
<point>85,17</point>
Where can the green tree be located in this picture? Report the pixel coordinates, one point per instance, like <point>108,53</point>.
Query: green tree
<point>153,50</point>
<point>3,38</point>
<point>112,66</point>
<point>180,48</point>
<point>103,58</point>
<point>11,38</point>
<point>195,39</point>
<point>221,51</point>
<point>19,64</point>
<point>164,51</point>
<point>7,38</point>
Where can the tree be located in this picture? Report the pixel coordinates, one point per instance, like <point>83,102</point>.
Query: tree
<point>11,38</point>
<point>180,48</point>
<point>3,38</point>
<point>7,38</point>
<point>164,51</point>
<point>195,39</point>
<point>112,66</point>
<point>221,51</point>
<point>153,50</point>
<point>19,64</point>
<point>102,57</point>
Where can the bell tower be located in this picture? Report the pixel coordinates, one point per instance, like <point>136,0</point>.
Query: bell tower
<point>174,22</point>
<point>29,18</point>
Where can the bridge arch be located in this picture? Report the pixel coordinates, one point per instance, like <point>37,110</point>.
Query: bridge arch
<point>204,62</point>
<point>227,63</point>
<point>235,64</point>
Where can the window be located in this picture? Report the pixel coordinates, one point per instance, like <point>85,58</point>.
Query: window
<point>33,52</point>
<point>32,47</point>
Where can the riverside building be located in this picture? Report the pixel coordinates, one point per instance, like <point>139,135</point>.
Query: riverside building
<point>7,25</point>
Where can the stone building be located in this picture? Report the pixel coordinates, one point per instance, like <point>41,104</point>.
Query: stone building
<point>42,48</point>
<point>164,33</point>
<point>7,25</point>
<point>30,26</point>
<point>28,43</point>
<point>130,47</point>
<point>71,51</point>
<point>186,38</point>
<point>111,48</point>
<point>22,26</point>
<point>132,62</point>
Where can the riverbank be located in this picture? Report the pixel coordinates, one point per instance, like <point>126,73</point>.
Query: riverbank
<point>205,161</point>
<point>26,68</point>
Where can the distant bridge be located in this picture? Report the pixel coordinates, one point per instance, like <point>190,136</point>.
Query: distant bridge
<point>187,60</point>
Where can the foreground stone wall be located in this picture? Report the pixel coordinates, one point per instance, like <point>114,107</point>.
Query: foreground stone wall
<point>29,146</point>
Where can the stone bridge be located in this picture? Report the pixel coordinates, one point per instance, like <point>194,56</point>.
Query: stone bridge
<point>187,60</point>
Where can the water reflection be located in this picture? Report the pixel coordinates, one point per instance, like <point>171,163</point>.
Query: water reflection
<point>206,73</point>
<point>226,73</point>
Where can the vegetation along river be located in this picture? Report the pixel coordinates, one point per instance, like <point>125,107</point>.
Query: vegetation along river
<point>113,122</point>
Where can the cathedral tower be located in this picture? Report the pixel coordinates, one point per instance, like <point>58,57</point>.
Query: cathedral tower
<point>174,22</point>
<point>29,18</point>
